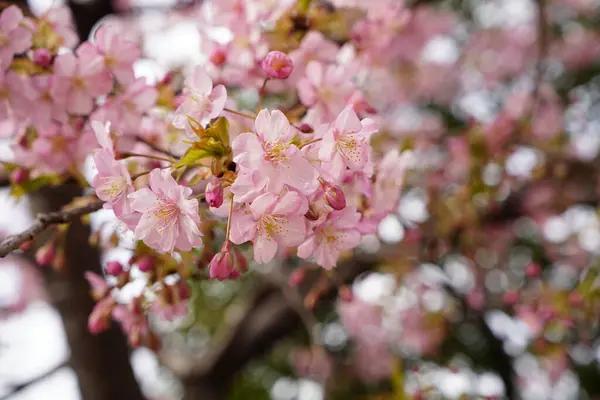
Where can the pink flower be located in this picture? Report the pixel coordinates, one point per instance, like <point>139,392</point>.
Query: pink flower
<point>12,95</point>
<point>78,80</point>
<point>169,218</point>
<point>268,160</point>
<point>327,89</point>
<point>389,180</point>
<point>314,47</point>
<point>337,234</point>
<point>202,102</point>
<point>46,109</point>
<point>346,142</point>
<point>119,53</point>
<point>112,183</point>
<point>129,108</point>
<point>14,38</point>
<point>277,65</point>
<point>61,21</point>
<point>271,221</point>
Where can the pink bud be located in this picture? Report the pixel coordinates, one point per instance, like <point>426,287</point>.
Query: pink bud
<point>277,65</point>
<point>145,264</point>
<point>334,196</point>
<point>42,57</point>
<point>99,319</point>
<point>305,128</point>
<point>533,270</point>
<point>221,266</point>
<point>296,277</point>
<point>346,293</point>
<point>575,299</point>
<point>113,268</point>
<point>218,56</point>
<point>20,175</point>
<point>510,297</point>
<point>45,254</point>
<point>214,193</point>
<point>100,288</point>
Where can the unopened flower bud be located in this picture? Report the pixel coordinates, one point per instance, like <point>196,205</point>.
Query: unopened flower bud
<point>277,65</point>
<point>305,128</point>
<point>25,246</point>
<point>218,56</point>
<point>575,299</point>
<point>99,286</point>
<point>42,57</point>
<point>59,261</point>
<point>510,297</point>
<point>113,268</point>
<point>214,193</point>
<point>99,319</point>
<point>19,175</point>
<point>345,293</point>
<point>296,277</point>
<point>533,270</point>
<point>145,264</point>
<point>221,266</point>
<point>334,196</point>
<point>45,254</point>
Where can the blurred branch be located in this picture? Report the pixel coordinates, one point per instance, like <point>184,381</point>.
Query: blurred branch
<point>270,315</point>
<point>16,388</point>
<point>43,221</point>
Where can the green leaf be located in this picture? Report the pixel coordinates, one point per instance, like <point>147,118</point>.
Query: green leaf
<point>219,130</point>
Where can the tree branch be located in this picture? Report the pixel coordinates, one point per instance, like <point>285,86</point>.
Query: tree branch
<point>43,221</point>
<point>155,147</point>
<point>16,388</point>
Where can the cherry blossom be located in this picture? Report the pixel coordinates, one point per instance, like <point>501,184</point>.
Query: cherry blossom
<point>346,142</point>
<point>169,217</point>
<point>14,37</point>
<point>268,159</point>
<point>334,236</point>
<point>202,102</point>
<point>119,53</point>
<point>79,79</point>
<point>271,221</point>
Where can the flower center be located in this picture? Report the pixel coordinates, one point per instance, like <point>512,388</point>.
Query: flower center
<point>113,187</point>
<point>270,225</point>
<point>275,151</point>
<point>167,213</point>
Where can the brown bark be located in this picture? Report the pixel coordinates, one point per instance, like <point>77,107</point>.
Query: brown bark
<point>101,362</point>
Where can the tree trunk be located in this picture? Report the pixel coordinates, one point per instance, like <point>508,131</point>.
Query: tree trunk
<point>205,389</point>
<point>101,362</point>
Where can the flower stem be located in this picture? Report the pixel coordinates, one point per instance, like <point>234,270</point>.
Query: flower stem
<point>229,220</point>
<point>310,142</point>
<point>261,94</point>
<point>239,113</point>
<point>127,155</point>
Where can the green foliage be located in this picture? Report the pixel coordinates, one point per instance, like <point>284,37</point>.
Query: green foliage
<point>213,143</point>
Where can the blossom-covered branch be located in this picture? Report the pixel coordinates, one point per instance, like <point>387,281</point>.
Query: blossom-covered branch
<point>43,221</point>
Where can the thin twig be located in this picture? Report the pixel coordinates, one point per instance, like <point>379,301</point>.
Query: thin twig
<point>241,114</point>
<point>155,147</point>
<point>43,221</point>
